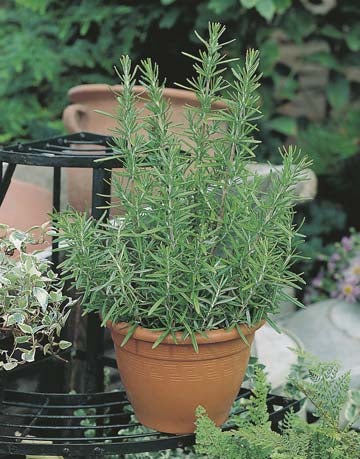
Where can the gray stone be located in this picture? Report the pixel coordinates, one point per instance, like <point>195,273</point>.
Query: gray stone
<point>330,330</point>
<point>305,189</point>
<point>274,350</point>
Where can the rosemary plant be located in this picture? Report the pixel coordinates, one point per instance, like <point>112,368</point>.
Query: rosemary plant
<point>204,243</point>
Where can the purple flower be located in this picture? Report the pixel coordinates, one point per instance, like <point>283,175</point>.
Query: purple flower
<point>340,277</point>
<point>349,291</point>
<point>317,281</point>
<point>332,261</point>
<point>335,257</point>
<point>347,243</point>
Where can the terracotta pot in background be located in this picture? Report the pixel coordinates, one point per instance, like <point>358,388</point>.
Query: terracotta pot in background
<point>81,116</point>
<point>165,385</point>
<point>26,205</point>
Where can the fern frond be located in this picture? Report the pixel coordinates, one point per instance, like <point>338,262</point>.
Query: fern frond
<point>299,440</point>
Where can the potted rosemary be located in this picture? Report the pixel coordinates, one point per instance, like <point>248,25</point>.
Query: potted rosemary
<point>33,309</point>
<point>199,260</point>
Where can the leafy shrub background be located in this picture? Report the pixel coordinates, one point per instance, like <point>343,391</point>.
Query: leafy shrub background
<point>310,55</point>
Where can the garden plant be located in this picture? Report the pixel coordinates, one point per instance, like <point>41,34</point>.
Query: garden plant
<point>339,273</point>
<point>33,308</point>
<point>325,387</point>
<point>205,247</point>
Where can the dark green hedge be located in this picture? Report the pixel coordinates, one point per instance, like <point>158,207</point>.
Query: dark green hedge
<point>47,46</point>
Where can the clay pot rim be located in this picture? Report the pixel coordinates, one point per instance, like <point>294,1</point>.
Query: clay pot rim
<point>90,89</point>
<point>213,336</point>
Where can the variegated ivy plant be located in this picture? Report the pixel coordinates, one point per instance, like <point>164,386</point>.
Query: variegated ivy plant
<point>33,308</point>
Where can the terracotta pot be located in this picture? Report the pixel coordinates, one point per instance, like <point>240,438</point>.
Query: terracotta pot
<point>81,116</point>
<point>26,205</point>
<point>165,385</point>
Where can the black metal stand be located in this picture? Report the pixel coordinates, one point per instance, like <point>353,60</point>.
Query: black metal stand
<point>93,424</point>
<point>82,150</point>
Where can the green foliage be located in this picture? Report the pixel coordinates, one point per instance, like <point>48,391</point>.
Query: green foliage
<point>33,309</point>
<point>329,146</point>
<point>299,372</point>
<point>325,388</point>
<point>49,46</point>
<point>352,407</point>
<point>45,43</point>
<point>322,219</point>
<point>305,369</point>
<point>204,243</point>
<point>36,5</point>
<point>257,408</point>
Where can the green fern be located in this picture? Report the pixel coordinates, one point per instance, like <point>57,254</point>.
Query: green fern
<point>257,409</point>
<point>325,387</point>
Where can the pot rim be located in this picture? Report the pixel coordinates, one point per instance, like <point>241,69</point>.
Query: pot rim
<point>213,336</point>
<point>100,88</point>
